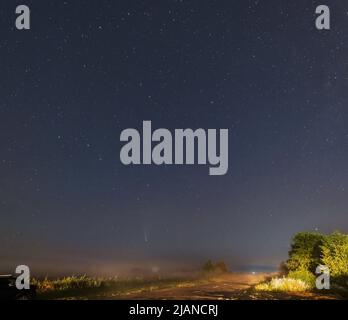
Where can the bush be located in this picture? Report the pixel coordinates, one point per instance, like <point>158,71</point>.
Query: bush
<point>283,269</point>
<point>208,266</point>
<point>335,254</point>
<point>68,283</point>
<point>283,285</point>
<point>305,252</point>
<point>309,250</point>
<point>303,275</point>
<point>219,267</point>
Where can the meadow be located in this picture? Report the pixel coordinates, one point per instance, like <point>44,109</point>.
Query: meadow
<point>297,278</point>
<point>85,287</point>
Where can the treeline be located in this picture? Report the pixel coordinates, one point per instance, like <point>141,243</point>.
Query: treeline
<point>218,267</point>
<point>311,249</point>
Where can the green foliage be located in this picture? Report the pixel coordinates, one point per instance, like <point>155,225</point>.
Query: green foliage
<point>283,285</point>
<point>305,251</point>
<point>334,250</point>
<point>309,250</point>
<point>303,275</point>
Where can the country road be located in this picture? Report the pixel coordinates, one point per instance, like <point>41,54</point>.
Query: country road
<point>227,287</point>
<point>231,286</point>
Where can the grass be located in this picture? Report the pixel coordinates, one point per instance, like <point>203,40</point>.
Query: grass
<point>284,285</point>
<point>69,283</point>
<point>84,287</point>
<point>88,288</point>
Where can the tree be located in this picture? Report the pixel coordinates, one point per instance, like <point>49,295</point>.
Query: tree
<point>305,252</point>
<point>309,250</point>
<point>334,250</point>
<point>221,267</point>
<point>208,266</point>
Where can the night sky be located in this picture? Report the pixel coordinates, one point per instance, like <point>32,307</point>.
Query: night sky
<point>89,69</point>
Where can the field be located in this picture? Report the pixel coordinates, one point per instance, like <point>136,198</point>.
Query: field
<point>240,286</point>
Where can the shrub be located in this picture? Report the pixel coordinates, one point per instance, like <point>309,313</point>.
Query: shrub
<point>305,251</point>
<point>208,266</point>
<point>335,254</point>
<point>219,267</point>
<point>68,283</point>
<point>283,284</point>
<point>309,250</point>
<point>303,275</point>
<point>283,269</point>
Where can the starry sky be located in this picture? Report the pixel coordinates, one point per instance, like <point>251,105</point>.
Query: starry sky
<point>89,69</point>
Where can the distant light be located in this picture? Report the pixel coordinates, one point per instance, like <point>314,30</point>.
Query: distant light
<point>155,269</point>
<point>253,272</point>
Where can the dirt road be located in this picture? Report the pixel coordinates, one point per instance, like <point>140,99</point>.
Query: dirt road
<point>236,286</point>
<point>224,287</point>
<point>227,287</point>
